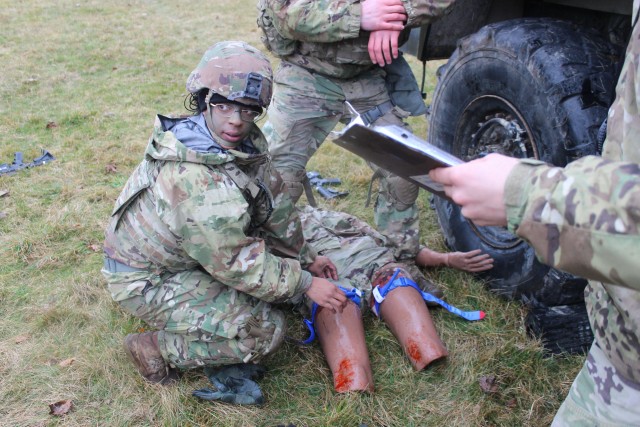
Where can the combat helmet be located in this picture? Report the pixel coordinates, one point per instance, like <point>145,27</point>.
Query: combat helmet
<point>235,70</point>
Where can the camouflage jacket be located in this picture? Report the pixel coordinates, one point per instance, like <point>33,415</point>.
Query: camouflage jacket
<point>585,219</point>
<point>181,210</point>
<point>325,37</point>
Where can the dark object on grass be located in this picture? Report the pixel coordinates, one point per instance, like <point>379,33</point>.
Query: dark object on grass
<point>318,182</point>
<point>562,328</point>
<point>17,164</point>
<point>235,384</point>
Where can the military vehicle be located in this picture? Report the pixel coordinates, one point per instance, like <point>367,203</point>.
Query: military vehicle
<point>528,79</point>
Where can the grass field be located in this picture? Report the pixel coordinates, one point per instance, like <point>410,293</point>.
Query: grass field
<point>84,80</point>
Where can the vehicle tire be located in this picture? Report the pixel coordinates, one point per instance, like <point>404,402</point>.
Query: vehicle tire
<point>536,88</point>
<point>561,328</point>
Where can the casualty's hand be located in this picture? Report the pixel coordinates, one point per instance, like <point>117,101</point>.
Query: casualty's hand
<point>472,261</point>
<point>478,187</point>
<point>383,46</point>
<point>326,294</point>
<point>382,15</point>
<point>323,267</point>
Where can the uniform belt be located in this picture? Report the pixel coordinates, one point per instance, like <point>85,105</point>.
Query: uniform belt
<point>370,116</point>
<point>113,266</point>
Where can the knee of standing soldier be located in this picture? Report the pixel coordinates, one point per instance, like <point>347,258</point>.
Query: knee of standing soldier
<point>294,182</point>
<point>402,193</point>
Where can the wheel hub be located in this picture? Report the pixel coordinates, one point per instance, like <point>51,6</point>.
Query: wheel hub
<point>493,125</point>
<point>499,135</point>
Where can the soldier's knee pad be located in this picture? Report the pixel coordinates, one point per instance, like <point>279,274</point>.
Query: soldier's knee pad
<point>401,192</point>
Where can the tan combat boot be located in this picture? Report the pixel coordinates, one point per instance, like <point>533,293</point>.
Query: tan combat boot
<point>144,352</point>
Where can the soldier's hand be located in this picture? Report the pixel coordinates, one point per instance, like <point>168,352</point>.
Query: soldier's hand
<point>326,294</point>
<point>382,15</point>
<point>472,261</point>
<point>324,268</point>
<point>383,46</point>
<point>478,186</point>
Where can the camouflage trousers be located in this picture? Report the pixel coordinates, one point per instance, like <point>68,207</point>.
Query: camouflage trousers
<point>356,249</point>
<point>305,108</point>
<point>599,397</point>
<point>201,322</point>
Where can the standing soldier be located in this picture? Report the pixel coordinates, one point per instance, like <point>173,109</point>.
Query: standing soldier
<point>333,52</point>
<point>584,219</point>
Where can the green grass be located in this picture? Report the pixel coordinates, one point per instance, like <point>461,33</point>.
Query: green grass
<point>84,81</point>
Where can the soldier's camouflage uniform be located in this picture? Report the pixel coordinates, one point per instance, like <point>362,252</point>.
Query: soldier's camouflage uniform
<point>325,62</point>
<point>585,219</point>
<point>355,248</point>
<point>187,253</point>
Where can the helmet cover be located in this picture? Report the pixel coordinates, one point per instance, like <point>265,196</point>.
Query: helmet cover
<point>235,70</point>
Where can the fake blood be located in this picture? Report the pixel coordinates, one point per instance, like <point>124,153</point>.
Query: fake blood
<point>344,377</point>
<point>414,351</point>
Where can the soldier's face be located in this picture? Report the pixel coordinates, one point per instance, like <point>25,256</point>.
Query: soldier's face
<point>229,122</point>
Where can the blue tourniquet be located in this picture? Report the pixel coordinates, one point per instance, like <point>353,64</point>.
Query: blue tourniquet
<point>380,293</point>
<point>354,295</point>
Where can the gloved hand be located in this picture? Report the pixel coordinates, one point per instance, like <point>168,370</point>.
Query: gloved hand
<point>235,384</point>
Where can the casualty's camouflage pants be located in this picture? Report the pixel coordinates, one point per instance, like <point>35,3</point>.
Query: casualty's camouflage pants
<point>599,397</point>
<point>201,322</point>
<point>356,249</point>
<point>305,108</point>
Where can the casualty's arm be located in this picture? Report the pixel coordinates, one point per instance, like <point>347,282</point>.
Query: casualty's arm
<point>473,261</point>
<point>323,267</point>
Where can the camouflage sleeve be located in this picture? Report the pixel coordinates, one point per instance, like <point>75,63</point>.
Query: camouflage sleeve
<point>284,229</point>
<point>209,219</point>
<point>584,218</point>
<point>314,21</point>
<point>420,12</point>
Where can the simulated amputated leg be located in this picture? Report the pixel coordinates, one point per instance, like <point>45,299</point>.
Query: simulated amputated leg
<point>408,318</point>
<point>341,337</point>
<point>404,311</point>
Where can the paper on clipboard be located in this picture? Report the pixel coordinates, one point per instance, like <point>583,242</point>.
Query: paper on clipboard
<point>399,151</point>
